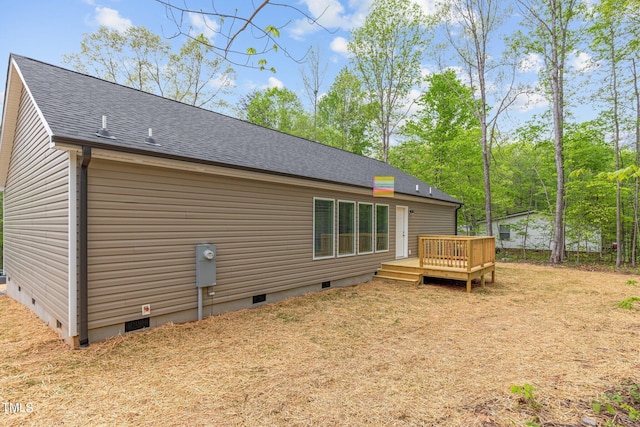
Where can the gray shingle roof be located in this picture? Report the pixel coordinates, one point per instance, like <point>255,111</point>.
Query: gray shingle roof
<point>73,105</point>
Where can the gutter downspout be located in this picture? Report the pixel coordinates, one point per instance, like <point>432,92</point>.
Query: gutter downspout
<point>456,219</point>
<point>83,287</point>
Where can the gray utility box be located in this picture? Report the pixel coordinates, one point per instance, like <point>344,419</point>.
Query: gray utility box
<point>205,265</point>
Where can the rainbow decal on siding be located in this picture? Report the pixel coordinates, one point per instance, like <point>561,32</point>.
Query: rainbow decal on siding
<point>383,186</point>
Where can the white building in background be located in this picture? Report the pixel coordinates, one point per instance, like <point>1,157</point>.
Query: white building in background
<point>534,230</point>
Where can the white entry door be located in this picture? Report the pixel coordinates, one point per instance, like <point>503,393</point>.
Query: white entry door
<point>402,232</point>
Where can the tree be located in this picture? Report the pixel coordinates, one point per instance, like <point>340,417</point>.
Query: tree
<point>553,37</point>
<point>233,23</point>
<point>279,109</point>
<point>590,199</point>
<point>446,111</point>
<point>142,60</point>
<point>471,26</point>
<point>312,78</point>
<point>387,51</point>
<point>196,79</point>
<point>344,116</point>
<point>132,58</point>
<point>610,33</point>
<point>636,193</point>
<point>441,143</point>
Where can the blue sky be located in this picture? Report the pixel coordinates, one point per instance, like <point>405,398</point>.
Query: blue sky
<point>48,29</point>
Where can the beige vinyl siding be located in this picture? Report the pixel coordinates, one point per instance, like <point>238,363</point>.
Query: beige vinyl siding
<point>429,219</point>
<point>144,223</point>
<point>36,215</point>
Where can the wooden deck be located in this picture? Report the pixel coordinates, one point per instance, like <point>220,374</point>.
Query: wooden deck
<point>462,258</point>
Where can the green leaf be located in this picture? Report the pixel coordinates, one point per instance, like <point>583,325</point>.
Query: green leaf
<point>596,406</point>
<point>272,30</point>
<point>251,51</point>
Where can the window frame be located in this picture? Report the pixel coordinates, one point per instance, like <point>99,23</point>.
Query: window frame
<point>372,240</point>
<point>376,226</point>
<point>353,228</point>
<point>333,228</point>
<point>504,230</point>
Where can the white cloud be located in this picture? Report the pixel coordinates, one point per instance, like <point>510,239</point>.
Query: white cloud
<point>428,6</point>
<point>425,71</point>
<point>110,18</point>
<point>201,24</point>
<point>532,62</point>
<point>529,101</point>
<point>340,45</point>
<point>582,62</point>
<point>273,82</point>
<point>221,81</point>
<point>341,14</point>
<point>413,96</point>
<point>330,14</point>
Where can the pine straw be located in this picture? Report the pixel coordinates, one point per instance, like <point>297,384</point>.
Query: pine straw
<point>374,354</point>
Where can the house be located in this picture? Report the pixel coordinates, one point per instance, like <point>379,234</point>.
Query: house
<point>124,210</point>
<point>534,230</point>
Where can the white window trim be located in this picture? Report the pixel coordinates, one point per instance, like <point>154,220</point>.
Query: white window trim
<point>313,236</point>
<point>355,231</point>
<point>373,224</point>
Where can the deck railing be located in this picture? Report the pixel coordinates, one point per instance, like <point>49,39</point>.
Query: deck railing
<point>460,252</point>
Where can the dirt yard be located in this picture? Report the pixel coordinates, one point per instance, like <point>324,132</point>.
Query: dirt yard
<point>374,354</point>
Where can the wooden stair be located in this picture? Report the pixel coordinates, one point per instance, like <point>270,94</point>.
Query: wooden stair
<point>399,273</point>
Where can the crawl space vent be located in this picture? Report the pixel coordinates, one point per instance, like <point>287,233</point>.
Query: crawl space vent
<point>259,298</point>
<point>134,325</point>
<point>326,285</point>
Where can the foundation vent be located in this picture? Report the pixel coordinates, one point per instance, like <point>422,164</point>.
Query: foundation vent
<point>259,298</point>
<point>326,285</point>
<point>134,325</point>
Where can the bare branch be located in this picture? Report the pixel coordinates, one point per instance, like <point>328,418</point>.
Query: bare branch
<point>238,24</point>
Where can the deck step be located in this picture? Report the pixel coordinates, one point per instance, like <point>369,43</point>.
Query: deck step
<point>398,275</point>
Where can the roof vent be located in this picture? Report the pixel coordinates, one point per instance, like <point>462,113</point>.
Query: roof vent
<point>103,132</point>
<point>149,139</point>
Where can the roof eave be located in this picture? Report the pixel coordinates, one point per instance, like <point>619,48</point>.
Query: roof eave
<point>65,142</point>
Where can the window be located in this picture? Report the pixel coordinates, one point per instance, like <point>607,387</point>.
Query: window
<point>323,228</point>
<point>382,228</point>
<point>365,228</point>
<point>505,232</point>
<point>346,228</point>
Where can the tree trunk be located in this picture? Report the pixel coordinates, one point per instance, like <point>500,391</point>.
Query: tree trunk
<point>557,77</point>
<point>634,238</point>
<point>616,136</point>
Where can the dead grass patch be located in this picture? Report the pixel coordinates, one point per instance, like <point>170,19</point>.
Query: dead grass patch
<point>373,354</point>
